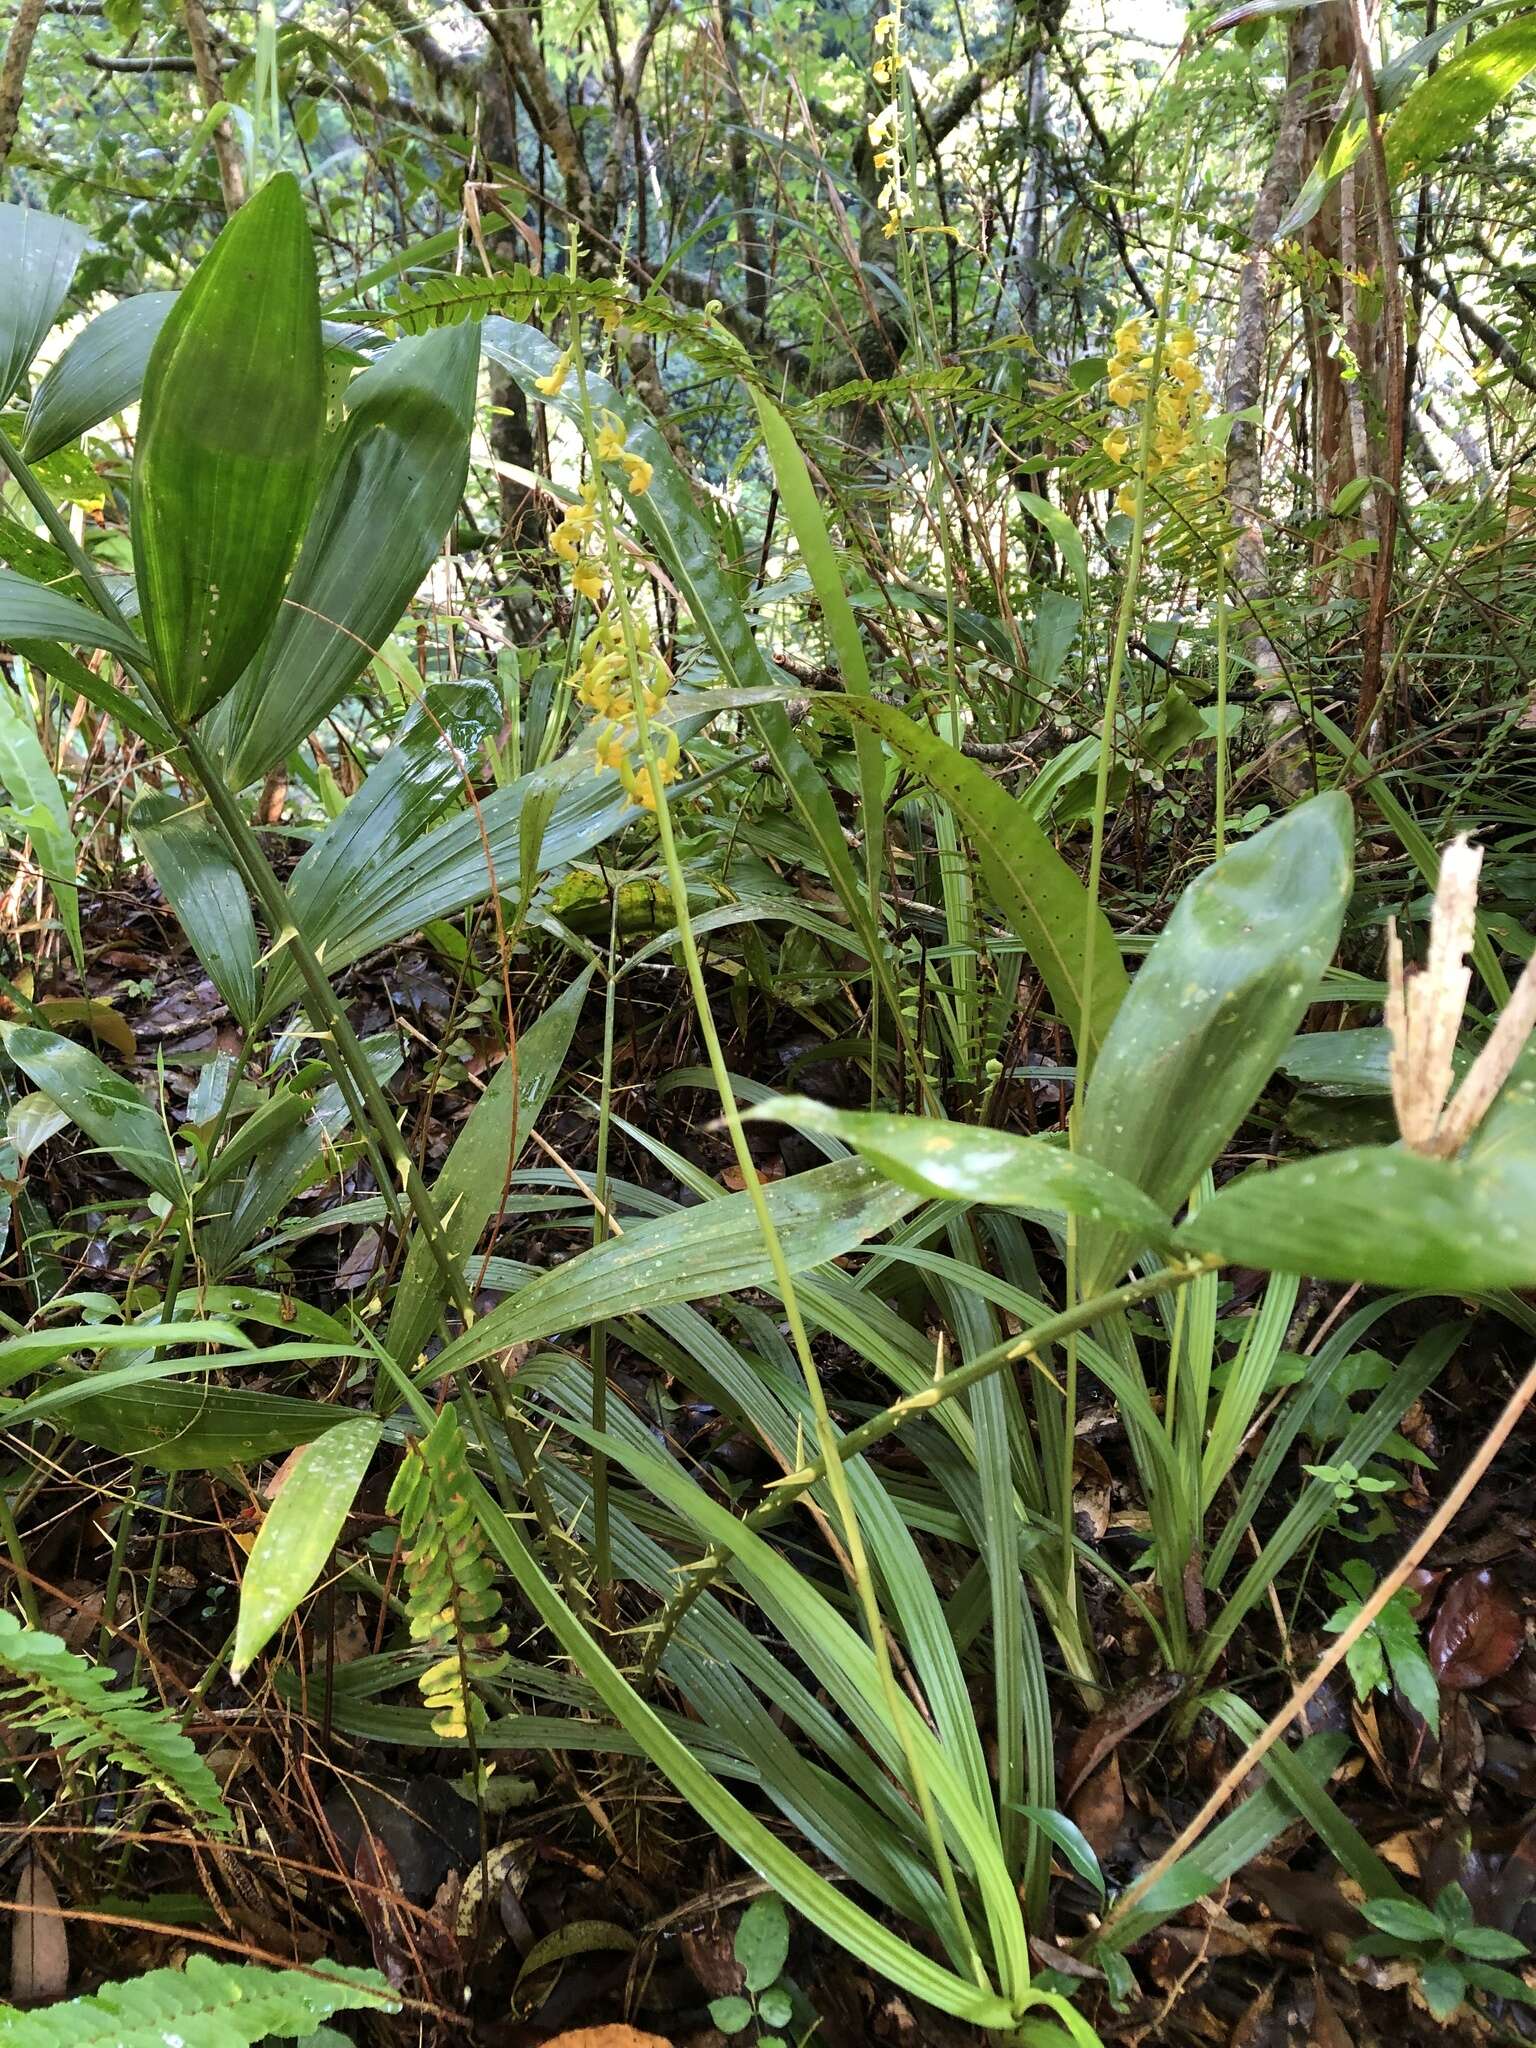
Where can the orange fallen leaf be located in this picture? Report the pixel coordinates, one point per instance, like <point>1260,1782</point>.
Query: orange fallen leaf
<point>607,2037</point>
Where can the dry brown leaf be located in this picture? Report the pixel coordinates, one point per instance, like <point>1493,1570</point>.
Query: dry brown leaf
<point>607,2037</point>
<point>39,1941</point>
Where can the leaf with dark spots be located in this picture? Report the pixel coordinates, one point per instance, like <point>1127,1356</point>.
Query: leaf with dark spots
<point>1477,1634</point>
<point>1106,1731</point>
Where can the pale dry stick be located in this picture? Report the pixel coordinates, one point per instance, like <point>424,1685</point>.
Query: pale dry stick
<point>1334,1656</point>
<point>583,1188</point>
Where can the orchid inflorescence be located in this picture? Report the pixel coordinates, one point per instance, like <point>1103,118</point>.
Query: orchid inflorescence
<point>893,198</point>
<point>1180,405</point>
<point>607,688</point>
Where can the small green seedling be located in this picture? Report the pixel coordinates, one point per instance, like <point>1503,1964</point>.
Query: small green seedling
<point>1389,1652</point>
<point>1347,1483</point>
<point>1453,1953</point>
<point>761,1949</point>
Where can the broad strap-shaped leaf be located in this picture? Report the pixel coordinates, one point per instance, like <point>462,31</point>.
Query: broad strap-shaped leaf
<point>952,1162</point>
<point>477,1170</point>
<point>37,806</point>
<point>1441,112</point>
<point>694,1253</point>
<point>1395,81</point>
<point>102,371</point>
<point>99,374</point>
<point>194,1426</point>
<point>38,254</point>
<point>802,508</point>
<point>1037,893</point>
<point>429,765</point>
<point>296,1539</point>
<point>203,886</point>
<point>31,611</point>
<point>1216,1002</point>
<point>109,1109</point>
<point>391,486</point>
<point>231,424</point>
<point>458,863</point>
<point>1388,1217</point>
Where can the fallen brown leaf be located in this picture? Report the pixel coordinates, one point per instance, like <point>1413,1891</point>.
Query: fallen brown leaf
<point>39,1941</point>
<point>1477,1634</point>
<point>607,2037</point>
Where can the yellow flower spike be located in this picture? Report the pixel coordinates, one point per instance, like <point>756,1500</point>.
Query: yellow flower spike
<point>610,316</point>
<point>642,789</point>
<point>1125,390</point>
<point>1180,345</point>
<point>883,124</point>
<point>588,581</point>
<point>611,436</point>
<point>885,29</point>
<point>612,752</point>
<point>1125,500</point>
<point>566,540</point>
<point>550,386</point>
<point>1117,445</point>
<point>639,472</point>
<point>884,157</point>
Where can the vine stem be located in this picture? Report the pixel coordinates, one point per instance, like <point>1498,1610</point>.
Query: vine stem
<point>388,1149</point>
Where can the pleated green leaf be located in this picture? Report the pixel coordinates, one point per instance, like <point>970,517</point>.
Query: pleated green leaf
<point>100,373</point>
<point>717,1249</point>
<point>954,1162</point>
<point>1443,111</point>
<point>296,1539</point>
<point>1216,1003</point>
<point>1388,1217</point>
<point>1032,886</point>
<point>203,886</point>
<point>109,1109</point>
<point>31,611</point>
<point>38,254</point>
<point>231,424</point>
<point>390,489</point>
<point>478,1169</point>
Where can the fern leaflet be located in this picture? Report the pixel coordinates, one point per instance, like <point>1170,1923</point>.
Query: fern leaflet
<point>206,2005</point>
<point>73,1703</point>
<point>450,1585</point>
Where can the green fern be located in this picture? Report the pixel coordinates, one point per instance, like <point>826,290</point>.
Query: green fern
<point>450,1584</point>
<point>206,2005</point>
<point>84,1716</point>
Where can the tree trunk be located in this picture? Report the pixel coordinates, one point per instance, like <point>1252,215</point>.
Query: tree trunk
<point>225,148</point>
<point>1245,388</point>
<point>511,433</point>
<point>14,71</point>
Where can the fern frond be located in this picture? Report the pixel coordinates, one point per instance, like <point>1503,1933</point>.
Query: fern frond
<point>450,1582</point>
<point>84,1716</point>
<point>231,2004</point>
